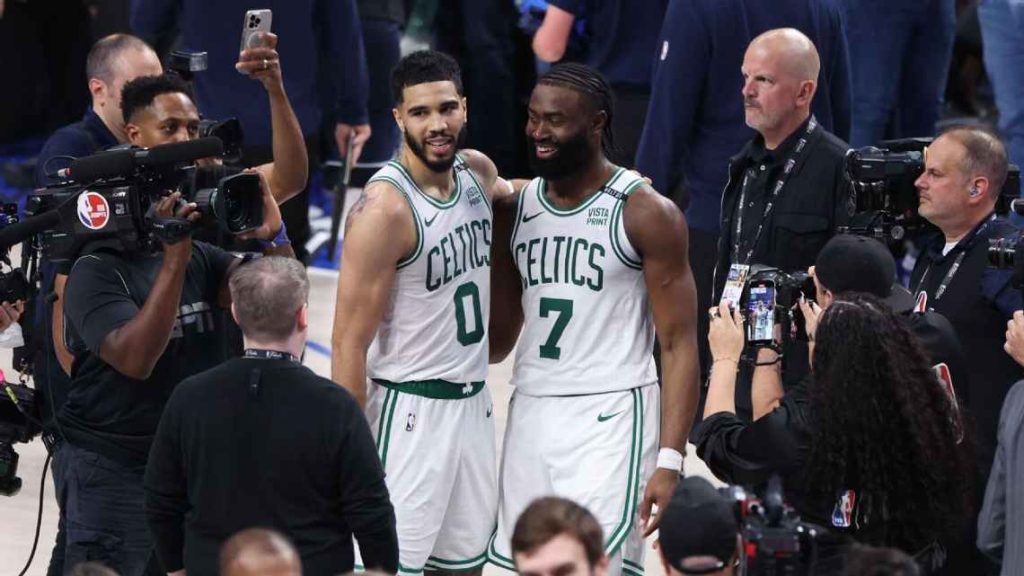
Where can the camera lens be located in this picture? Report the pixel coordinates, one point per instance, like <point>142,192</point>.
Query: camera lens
<point>1001,252</point>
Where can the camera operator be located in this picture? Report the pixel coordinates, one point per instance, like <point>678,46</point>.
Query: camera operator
<point>216,467</point>
<point>965,169</point>
<point>1001,522</point>
<point>868,449</point>
<point>788,189</point>
<point>137,325</point>
<point>699,533</point>
<point>112,61</point>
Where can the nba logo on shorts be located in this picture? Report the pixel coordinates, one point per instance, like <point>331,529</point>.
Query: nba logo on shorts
<point>93,211</point>
<point>842,515</point>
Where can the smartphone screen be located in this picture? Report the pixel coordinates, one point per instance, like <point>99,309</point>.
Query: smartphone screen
<point>761,312</point>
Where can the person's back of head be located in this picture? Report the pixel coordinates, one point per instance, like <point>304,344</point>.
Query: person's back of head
<point>850,263</point>
<point>557,536</point>
<point>883,429</point>
<point>699,531</point>
<point>268,299</point>
<point>91,569</point>
<point>259,552</point>
<point>869,561</point>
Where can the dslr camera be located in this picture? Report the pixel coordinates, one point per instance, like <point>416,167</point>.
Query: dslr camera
<point>775,540</point>
<point>110,198</point>
<point>19,422</point>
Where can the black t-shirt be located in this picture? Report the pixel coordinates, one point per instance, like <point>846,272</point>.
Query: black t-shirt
<point>83,138</point>
<point>106,411</point>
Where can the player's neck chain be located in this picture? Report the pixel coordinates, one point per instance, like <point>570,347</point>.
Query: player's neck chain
<point>268,354</point>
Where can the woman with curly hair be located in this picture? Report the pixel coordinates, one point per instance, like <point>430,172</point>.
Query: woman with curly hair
<point>869,449</point>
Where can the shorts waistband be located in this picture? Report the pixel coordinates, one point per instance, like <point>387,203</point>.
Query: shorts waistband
<point>436,389</point>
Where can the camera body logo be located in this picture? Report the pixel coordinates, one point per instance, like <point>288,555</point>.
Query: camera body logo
<point>93,211</point>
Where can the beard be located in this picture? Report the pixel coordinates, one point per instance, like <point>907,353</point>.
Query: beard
<point>438,165</point>
<point>571,155</point>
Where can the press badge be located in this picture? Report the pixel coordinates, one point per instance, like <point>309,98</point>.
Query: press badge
<point>734,283</point>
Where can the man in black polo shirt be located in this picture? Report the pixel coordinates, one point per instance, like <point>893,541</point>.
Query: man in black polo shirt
<point>263,441</point>
<point>788,190</point>
<point>965,169</point>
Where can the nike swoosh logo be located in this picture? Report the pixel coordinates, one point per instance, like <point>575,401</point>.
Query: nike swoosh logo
<point>431,221</point>
<point>528,218</point>
<point>603,418</point>
<point>489,412</point>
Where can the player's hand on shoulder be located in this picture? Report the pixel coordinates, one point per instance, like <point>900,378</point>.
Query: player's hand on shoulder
<point>650,219</point>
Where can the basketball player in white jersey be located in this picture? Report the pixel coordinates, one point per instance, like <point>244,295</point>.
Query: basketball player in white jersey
<point>590,261</point>
<point>410,326</point>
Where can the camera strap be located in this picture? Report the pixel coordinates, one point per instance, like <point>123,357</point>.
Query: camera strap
<point>268,354</point>
<point>944,285</point>
<point>789,167</point>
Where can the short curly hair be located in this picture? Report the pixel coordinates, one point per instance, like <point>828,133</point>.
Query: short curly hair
<point>140,92</point>
<point>424,66</point>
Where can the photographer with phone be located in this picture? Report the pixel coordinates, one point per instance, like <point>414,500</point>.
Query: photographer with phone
<point>867,450</point>
<point>326,77</point>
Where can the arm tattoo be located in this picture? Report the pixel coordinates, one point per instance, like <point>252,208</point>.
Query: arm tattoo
<point>356,209</point>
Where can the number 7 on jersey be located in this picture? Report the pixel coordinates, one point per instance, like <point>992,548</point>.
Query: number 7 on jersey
<point>563,308</point>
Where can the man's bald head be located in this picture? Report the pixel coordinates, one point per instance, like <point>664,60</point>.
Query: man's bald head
<point>794,49</point>
<point>259,552</point>
<point>780,76</point>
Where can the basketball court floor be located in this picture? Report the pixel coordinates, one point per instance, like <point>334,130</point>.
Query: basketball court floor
<point>18,514</point>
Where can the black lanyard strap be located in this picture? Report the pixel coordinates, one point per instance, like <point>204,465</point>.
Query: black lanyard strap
<point>954,268</point>
<point>791,162</point>
<point>269,354</point>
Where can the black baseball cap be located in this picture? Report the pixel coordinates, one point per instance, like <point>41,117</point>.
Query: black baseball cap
<point>698,521</point>
<point>849,263</point>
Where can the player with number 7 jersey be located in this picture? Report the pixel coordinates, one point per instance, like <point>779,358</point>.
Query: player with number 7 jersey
<point>589,262</point>
<point>410,329</point>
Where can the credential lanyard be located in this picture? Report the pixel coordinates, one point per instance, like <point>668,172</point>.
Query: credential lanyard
<point>801,145</point>
<point>268,354</point>
<point>952,269</point>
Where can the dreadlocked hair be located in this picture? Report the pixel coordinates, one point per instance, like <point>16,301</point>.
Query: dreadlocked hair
<point>593,86</point>
<point>884,426</point>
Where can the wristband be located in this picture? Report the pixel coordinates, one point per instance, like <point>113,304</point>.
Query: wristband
<point>670,459</point>
<point>280,240</point>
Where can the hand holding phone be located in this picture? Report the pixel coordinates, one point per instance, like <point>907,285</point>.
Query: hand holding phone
<point>254,28</point>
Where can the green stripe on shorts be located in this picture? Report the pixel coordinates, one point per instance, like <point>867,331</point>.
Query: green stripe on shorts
<point>494,557</point>
<point>457,565</point>
<point>618,536</point>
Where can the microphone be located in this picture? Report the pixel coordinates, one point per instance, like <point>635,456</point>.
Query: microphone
<point>15,233</point>
<point>113,163</point>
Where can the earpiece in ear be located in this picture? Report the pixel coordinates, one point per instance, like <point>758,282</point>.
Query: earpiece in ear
<point>974,191</point>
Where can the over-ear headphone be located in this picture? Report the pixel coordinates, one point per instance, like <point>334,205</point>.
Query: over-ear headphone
<point>974,191</point>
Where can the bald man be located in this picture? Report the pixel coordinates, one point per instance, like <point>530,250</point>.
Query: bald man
<point>259,552</point>
<point>788,189</point>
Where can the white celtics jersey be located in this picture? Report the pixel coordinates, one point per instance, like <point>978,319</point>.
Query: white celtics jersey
<point>435,324</point>
<point>587,325</point>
